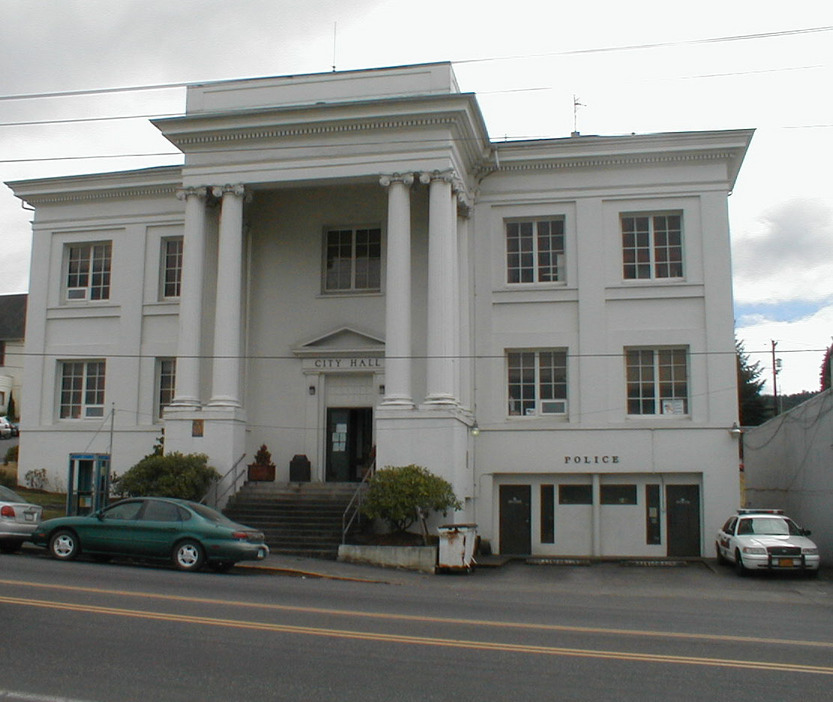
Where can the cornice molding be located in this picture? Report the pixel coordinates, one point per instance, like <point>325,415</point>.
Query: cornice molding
<point>242,133</point>
<point>565,163</point>
<point>108,194</point>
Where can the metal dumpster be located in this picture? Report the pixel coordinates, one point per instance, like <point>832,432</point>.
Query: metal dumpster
<point>458,543</point>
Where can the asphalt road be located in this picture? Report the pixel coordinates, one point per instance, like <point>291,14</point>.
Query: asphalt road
<point>89,632</point>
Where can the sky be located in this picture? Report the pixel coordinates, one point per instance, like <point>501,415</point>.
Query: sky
<point>641,66</point>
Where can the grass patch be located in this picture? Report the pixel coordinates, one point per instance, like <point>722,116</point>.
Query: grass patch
<point>54,503</point>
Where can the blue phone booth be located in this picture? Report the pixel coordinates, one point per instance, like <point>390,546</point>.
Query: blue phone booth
<point>88,483</point>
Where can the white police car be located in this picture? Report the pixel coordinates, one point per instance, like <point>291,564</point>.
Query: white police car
<point>765,539</point>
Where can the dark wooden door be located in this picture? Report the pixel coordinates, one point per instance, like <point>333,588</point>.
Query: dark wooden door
<point>515,519</point>
<point>683,520</point>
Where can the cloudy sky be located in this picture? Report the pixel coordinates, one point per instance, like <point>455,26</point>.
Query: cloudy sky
<point>641,66</point>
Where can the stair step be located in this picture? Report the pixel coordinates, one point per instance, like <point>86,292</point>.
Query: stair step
<point>302,519</point>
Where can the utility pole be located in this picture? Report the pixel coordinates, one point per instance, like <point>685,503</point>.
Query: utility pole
<point>776,366</point>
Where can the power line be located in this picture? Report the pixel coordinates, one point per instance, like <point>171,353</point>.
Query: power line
<point>532,89</point>
<point>487,59</point>
<point>412,357</point>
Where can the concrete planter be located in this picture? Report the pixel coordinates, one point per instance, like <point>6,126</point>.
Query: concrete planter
<point>420,558</point>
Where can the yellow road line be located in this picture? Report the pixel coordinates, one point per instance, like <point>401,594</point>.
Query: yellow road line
<point>426,640</point>
<point>727,638</point>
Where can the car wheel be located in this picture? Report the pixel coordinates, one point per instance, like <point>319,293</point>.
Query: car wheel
<point>64,545</point>
<point>739,567</point>
<point>188,555</point>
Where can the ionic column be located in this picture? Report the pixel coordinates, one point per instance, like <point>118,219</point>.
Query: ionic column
<point>225,385</point>
<point>441,288</point>
<point>187,387</point>
<point>398,293</point>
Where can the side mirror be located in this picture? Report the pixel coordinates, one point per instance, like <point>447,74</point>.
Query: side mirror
<point>99,516</point>
<point>806,532</point>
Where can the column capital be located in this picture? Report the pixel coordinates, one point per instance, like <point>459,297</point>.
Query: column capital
<point>237,189</point>
<point>185,193</point>
<point>448,176</point>
<point>386,180</point>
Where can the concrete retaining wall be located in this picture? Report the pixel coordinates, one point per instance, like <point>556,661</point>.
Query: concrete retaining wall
<point>421,558</point>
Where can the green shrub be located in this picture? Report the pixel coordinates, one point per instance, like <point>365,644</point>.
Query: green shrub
<point>8,480</point>
<point>401,495</point>
<point>11,454</point>
<point>187,476</point>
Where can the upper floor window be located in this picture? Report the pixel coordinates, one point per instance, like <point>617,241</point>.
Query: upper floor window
<point>171,267</point>
<point>166,381</point>
<point>82,389</point>
<point>88,271</point>
<point>657,381</point>
<point>537,382</point>
<point>535,251</point>
<point>353,259</point>
<point>652,246</point>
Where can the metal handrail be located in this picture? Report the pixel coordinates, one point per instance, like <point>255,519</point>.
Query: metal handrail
<point>218,481</point>
<point>355,503</point>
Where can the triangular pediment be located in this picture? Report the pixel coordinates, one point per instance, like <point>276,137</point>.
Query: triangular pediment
<point>344,341</point>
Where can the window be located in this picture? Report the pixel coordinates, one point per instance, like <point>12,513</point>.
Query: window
<point>535,251</point>
<point>652,246</point>
<point>547,514</point>
<point>575,494</point>
<point>156,511</point>
<point>657,381</point>
<point>166,374</point>
<point>537,382</point>
<point>653,526</point>
<point>88,271</point>
<point>353,259</point>
<point>171,267</point>
<point>617,494</point>
<point>82,389</point>
<point>123,511</point>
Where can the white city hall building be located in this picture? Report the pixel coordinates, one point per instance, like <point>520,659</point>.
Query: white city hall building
<point>347,267</point>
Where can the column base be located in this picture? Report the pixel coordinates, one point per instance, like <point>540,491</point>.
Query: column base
<point>441,399</point>
<point>397,402</point>
<point>222,401</point>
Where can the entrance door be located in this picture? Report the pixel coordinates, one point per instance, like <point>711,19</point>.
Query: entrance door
<point>349,443</point>
<point>683,509</point>
<point>515,519</point>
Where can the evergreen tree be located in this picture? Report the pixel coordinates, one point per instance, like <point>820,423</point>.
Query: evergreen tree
<point>753,409</point>
<point>825,368</point>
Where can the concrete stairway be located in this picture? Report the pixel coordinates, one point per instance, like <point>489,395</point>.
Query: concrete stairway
<point>302,519</point>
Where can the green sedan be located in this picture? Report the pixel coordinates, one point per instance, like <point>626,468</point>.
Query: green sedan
<point>187,534</point>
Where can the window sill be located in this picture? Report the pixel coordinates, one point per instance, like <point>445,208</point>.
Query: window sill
<point>349,293</point>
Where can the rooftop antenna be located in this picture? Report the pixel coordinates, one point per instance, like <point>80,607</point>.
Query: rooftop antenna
<point>576,105</point>
<point>335,27</point>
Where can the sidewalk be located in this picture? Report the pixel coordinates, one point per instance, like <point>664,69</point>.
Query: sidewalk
<point>299,567</point>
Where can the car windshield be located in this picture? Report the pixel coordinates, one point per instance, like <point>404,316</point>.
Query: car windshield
<point>769,526</point>
<point>211,515</point>
<point>7,495</point>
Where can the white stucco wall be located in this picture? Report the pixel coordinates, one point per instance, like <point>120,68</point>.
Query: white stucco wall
<point>788,464</point>
<point>308,166</point>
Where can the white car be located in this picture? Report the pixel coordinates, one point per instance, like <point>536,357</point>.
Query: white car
<point>18,520</point>
<point>5,428</point>
<point>765,539</point>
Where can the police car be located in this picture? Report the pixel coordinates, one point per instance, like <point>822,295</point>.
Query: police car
<point>765,539</point>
